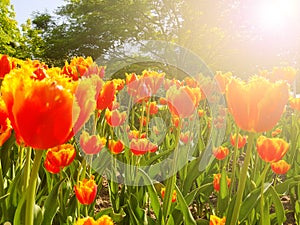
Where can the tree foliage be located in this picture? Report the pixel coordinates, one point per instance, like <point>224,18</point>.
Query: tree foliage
<point>21,43</point>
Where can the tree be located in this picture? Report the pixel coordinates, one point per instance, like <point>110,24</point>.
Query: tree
<point>14,42</point>
<point>9,32</point>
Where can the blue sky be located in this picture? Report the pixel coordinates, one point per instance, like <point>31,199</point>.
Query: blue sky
<point>24,9</point>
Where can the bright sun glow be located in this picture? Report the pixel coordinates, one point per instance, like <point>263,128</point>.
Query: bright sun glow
<point>276,15</point>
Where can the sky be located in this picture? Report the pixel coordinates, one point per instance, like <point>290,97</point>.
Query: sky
<point>24,9</point>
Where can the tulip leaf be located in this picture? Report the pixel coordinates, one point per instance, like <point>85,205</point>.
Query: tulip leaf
<point>250,201</point>
<point>266,217</point>
<point>202,222</point>
<point>116,217</point>
<point>20,211</point>
<point>136,213</point>
<point>188,217</point>
<point>51,205</point>
<point>278,205</point>
<point>153,194</point>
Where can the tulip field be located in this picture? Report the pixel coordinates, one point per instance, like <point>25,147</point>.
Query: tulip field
<point>78,147</point>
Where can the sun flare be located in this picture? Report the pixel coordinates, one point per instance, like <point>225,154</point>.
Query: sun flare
<point>276,15</point>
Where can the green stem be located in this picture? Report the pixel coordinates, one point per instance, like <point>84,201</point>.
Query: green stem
<point>262,193</point>
<point>27,168</point>
<point>170,183</point>
<point>32,188</point>
<point>242,183</point>
<point>234,162</point>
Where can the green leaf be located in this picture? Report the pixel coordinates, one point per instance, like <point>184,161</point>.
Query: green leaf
<point>38,215</point>
<point>20,211</point>
<point>250,202</point>
<point>266,217</point>
<point>278,205</point>
<point>136,213</point>
<point>152,194</point>
<point>284,187</point>
<point>51,205</point>
<point>202,222</point>
<point>116,217</point>
<point>224,196</point>
<point>223,185</point>
<point>188,217</point>
<point>206,188</point>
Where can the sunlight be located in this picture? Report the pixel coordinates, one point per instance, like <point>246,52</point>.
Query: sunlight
<point>276,15</point>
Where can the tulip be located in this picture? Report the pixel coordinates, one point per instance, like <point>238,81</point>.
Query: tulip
<point>222,80</point>
<point>115,118</point>
<point>280,167</point>
<point>183,101</point>
<point>86,191</point>
<point>59,157</point>
<point>142,146</point>
<point>106,96</point>
<point>295,103</point>
<point>214,220</point>
<point>271,149</point>
<point>221,152</point>
<point>163,191</point>
<point>242,140</point>
<point>6,65</point>
<point>216,181</point>
<point>258,105</point>
<point>103,220</point>
<point>47,113</point>
<point>5,125</point>
<point>91,144</point>
<point>116,147</point>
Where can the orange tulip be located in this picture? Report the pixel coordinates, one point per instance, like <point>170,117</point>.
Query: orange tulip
<point>91,144</point>
<point>115,118</point>
<point>116,147</point>
<point>280,167</point>
<point>220,152</point>
<point>214,220</point>
<point>185,137</point>
<point>183,101</point>
<point>141,146</point>
<point>5,126</point>
<point>106,96</point>
<point>141,87</point>
<point>276,132</point>
<point>135,134</point>
<point>258,105</point>
<point>40,112</point>
<point>103,220</point>
<point>163,191</point>
<point>59,157</point>
<point>46,113</point>
<point>6,65</point>
<point>152,108</point>
<point>216,181</point>
<point>295,103</point>
<point>86,191</point>
<point>280,73</point>
<point>271,149</point>
<point>242,140</point>
<point>222,80</point>
<point>85,95</point>
<point>80,67</point>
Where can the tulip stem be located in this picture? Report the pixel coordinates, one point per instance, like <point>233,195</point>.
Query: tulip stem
<point>32,188</point>
<point>262,193</point>
<point>27,167</point>
<point>234,162</point>
<point>170,182</point>
<point>242,181</point>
